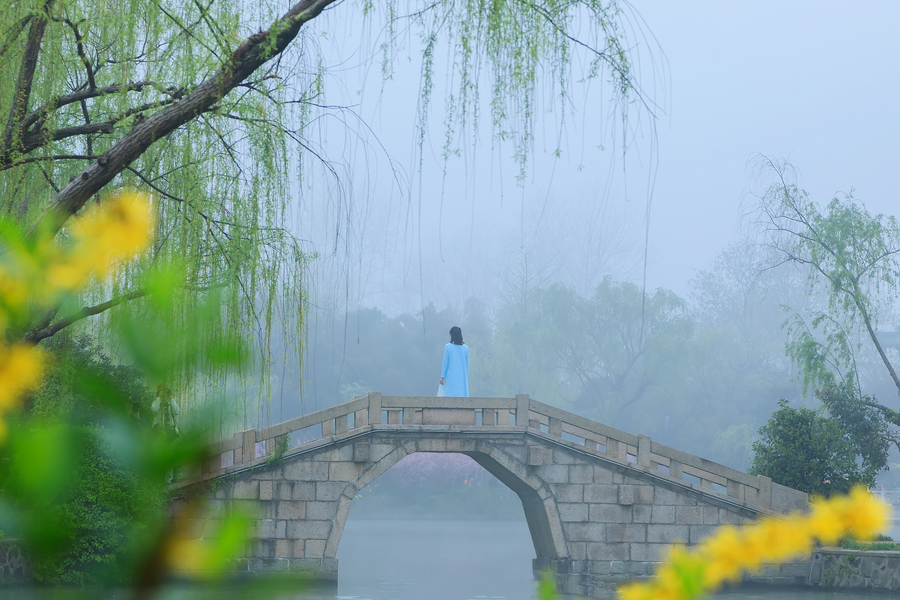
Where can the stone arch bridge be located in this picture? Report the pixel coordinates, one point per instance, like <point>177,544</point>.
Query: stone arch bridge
<point>601,504</point>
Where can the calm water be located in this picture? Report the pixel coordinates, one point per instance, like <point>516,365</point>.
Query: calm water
<point>436,560</point>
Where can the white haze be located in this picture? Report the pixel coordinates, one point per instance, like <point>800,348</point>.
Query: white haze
<point>812,82</point>
<point>807,81</point>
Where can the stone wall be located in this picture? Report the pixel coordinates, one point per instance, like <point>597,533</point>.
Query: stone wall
<point>619,522</point>
<point>853,569</point>
<point>14,569</point>
<point>299,506</point>
<point>794,573</point>
<point>594,523</point>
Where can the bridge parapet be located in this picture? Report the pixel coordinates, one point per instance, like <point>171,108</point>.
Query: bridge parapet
<point>519,413</point>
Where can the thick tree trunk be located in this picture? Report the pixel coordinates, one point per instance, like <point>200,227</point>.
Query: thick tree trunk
<point>22,94</point>
<point>248,57</point>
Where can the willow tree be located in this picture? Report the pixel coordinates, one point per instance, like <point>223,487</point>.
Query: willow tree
<point>204,104</point>
<point>852,261</point>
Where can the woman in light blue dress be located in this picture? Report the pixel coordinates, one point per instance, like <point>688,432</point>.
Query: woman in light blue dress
<point>455,368</point>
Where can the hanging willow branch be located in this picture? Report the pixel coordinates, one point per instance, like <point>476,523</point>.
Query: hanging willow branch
<point>246,59</point>
<point>140,91</point>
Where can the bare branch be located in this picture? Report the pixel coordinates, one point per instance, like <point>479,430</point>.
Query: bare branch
<point>79,46</point>
<point>33,140</point>
<point>41,333</point>
<point>53,157</point>
<point>61,101</point>
<point>246,59</point>
<point>44,330</point>
<point>49,179</point>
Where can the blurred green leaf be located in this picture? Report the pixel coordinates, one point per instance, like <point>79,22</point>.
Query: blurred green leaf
<point>546,587</point>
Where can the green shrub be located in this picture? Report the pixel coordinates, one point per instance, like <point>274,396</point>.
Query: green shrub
<point>101,513</point>
<point>877,544</point>
<point>65,391</point>
<point>804,450</point>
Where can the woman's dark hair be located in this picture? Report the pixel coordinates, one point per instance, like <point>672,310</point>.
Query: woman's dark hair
<point>456,336</point>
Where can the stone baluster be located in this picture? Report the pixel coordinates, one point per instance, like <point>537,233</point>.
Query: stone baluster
<point>248,447</point>
<point>340,424</point>
<point>522,410</point>
<point>374,408</point>
<point>764,496</point>
<point>554,427</point>
<point>643,451</point>
<point>735,489</point>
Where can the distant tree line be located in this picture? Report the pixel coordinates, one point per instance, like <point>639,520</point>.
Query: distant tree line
<point>702,373</point>
<point>798,319</point>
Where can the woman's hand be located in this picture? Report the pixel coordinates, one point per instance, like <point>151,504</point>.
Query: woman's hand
<point>442,381</point>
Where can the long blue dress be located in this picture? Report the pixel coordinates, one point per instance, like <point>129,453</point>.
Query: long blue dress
<point>455,370</point>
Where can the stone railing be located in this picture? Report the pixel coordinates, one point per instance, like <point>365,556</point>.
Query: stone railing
<point>520,413</point>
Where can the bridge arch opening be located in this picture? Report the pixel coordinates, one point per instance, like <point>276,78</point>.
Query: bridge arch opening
<point>498,517</point>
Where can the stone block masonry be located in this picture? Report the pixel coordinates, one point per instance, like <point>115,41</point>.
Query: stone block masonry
<point>852,569</point>
<point>632,518</point>
<point>595,522</point>
<point>601,504</point>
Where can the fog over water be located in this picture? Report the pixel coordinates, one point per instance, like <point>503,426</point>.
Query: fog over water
<point>409,243</point>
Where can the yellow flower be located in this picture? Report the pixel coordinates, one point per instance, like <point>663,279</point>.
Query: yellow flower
<point>756,541</point>
<point>790,538</point>
<point>636,591</point>
<point>117,229</point>
<point>865,515</point>
<point>825,522</point>
<point>730,551</point>
<point>13,291</point>
<point>21,368</point>
<point>725,553</point>
<point>106,233</point>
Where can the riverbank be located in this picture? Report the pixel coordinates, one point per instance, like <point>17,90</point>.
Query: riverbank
<point>855,569</point>
<point>836,568</point>
<point>828,568</point>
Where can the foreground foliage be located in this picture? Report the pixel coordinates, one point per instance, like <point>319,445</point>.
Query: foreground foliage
<point>103,514</point>
<point>82,481</point>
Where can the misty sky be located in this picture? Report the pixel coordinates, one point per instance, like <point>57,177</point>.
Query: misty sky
<point>812,82</point>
